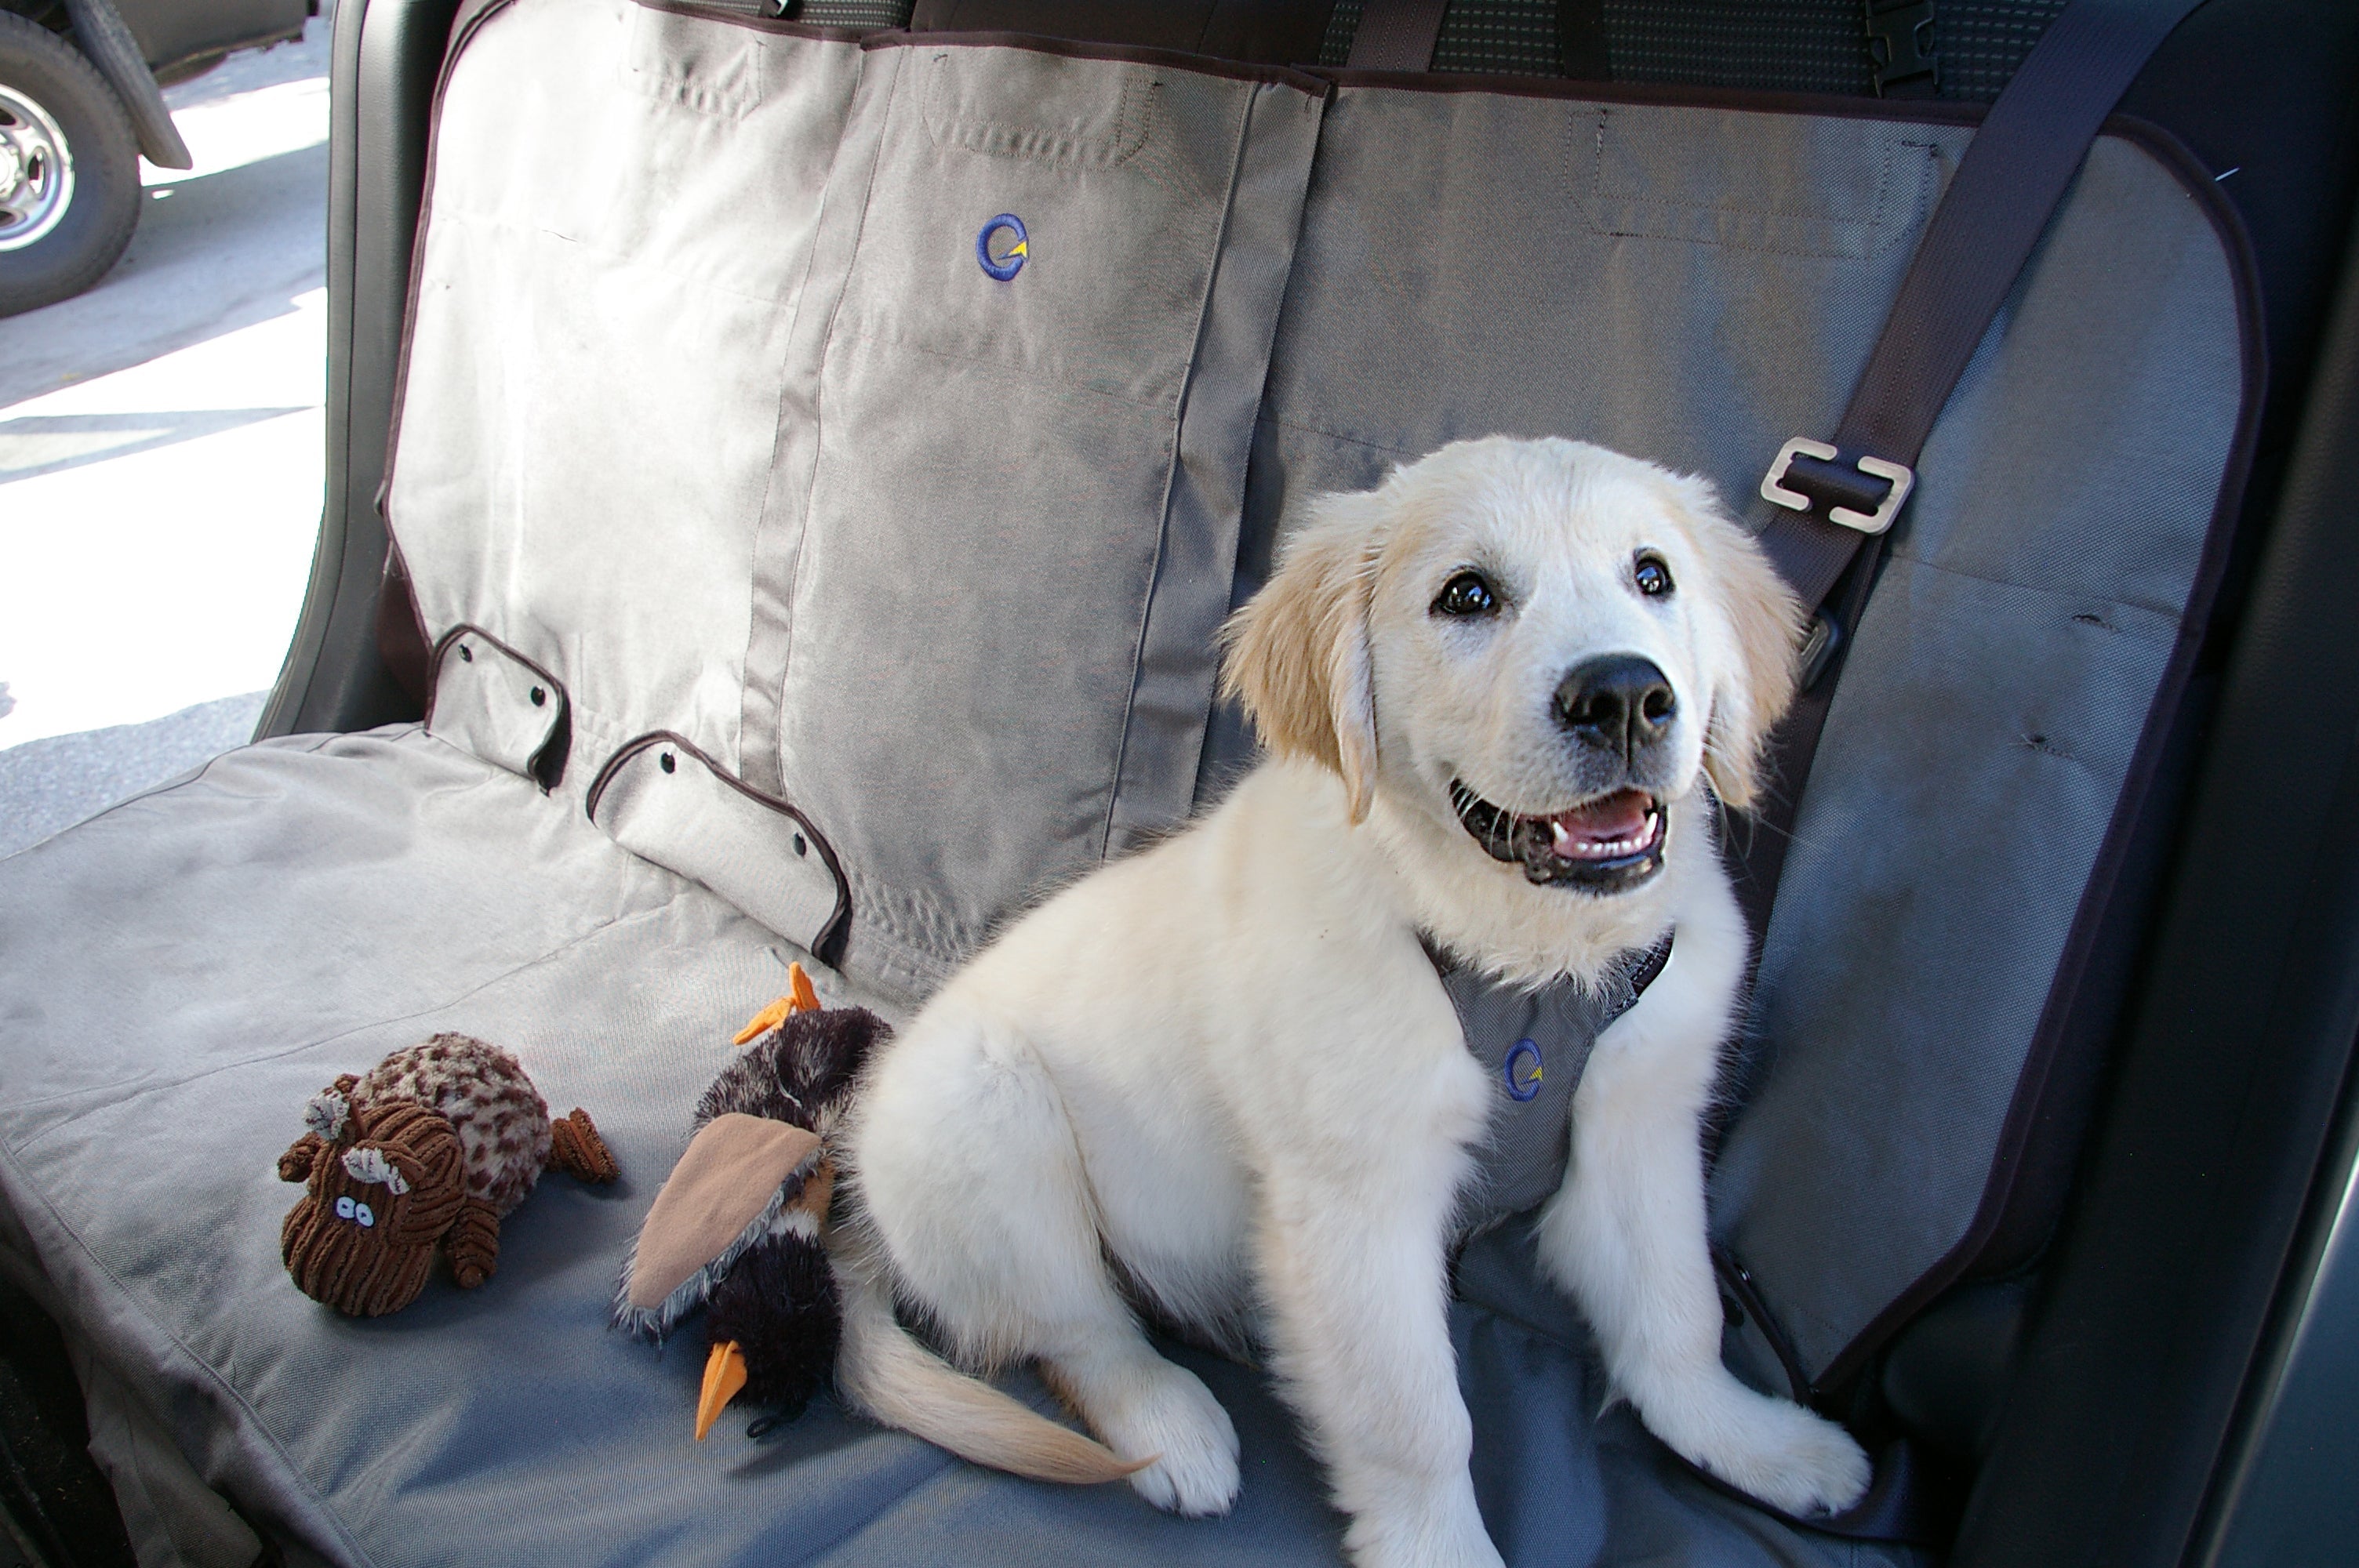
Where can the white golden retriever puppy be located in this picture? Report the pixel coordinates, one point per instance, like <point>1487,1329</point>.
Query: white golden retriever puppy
<point>1221,1079</point>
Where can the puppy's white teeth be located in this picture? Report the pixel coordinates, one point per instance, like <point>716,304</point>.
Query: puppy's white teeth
<point>1566,846</point>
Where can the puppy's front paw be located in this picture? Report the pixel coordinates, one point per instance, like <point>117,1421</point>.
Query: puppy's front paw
<point>1176,1418</point>
<point>1771,1449</point>
<point>1445,1532</point>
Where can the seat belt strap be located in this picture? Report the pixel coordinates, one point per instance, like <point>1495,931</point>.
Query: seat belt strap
<point>1397,35</point>
<point>1835,495</point>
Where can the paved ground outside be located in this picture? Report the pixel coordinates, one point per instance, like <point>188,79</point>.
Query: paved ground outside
<point>161,460</point>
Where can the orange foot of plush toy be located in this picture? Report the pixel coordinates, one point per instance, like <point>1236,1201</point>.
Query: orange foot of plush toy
<point>801,997</point>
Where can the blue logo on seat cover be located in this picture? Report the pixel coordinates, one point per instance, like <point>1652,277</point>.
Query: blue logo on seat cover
<point>1523,1070</point>
<point>1001,246</point>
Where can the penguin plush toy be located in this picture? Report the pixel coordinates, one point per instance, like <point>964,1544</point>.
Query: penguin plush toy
<point>740,1228</point>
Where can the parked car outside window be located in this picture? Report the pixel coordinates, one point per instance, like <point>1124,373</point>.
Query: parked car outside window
<point>80,102</point>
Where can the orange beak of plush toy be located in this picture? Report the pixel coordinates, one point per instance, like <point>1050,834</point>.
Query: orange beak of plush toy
<point>801,997</point>
<point>725,1375</point>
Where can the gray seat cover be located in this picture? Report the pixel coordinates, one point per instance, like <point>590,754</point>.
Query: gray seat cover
<point>180,975</point>
<point>721,451</point>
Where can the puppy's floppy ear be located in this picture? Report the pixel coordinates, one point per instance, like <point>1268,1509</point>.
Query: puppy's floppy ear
<point>1298,656</point>
<point>1764,622</point>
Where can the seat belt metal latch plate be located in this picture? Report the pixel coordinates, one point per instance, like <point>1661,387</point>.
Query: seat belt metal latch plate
<point>1899,479</point>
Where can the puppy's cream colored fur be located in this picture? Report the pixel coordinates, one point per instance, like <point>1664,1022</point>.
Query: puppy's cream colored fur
<point>1227,1064</point>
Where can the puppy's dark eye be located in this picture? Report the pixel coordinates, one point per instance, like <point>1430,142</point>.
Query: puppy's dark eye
<point>1466,594</point>
<point>1653,577</point>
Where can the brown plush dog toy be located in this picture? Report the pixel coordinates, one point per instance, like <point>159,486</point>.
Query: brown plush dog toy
<point>436,1144</point>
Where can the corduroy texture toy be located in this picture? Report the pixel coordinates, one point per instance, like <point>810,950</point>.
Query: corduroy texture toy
<point>740,1224</point>
<point>436,1143</point>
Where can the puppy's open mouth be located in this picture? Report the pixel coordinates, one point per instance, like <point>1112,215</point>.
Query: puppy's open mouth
<point>1606,845</point>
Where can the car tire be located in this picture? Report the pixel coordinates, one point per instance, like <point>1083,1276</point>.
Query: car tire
<point>69,169</point>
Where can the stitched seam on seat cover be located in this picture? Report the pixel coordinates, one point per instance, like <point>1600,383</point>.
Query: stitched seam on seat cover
<point>1374,446</point>
<point>167,788</point>
<point>148,1087</point>
<point>756,536</point>
<point>1876,200</point>
<point>626,261</point>
<point>1572,1342</point>
<point>253,1421</point>
<point>1164,406</point>
<point>911,924</point>
<point>1883,234</point>
<point>1171,468</point>
<point>2176,618</point>
<point>1134,124</point>
<point>790,589</point>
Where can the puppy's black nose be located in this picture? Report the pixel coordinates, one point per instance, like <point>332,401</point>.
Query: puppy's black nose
<point>1619,703</point>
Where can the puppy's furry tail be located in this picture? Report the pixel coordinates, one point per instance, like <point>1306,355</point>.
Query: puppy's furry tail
<point>885,1372</point>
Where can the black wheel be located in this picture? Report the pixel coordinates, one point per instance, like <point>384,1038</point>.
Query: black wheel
<point>69,169</point>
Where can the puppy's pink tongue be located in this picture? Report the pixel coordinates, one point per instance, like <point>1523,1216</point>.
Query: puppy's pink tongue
<point>1619,823</point>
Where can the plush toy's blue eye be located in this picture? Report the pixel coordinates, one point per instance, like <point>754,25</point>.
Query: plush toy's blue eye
<point>344,1208</point>
<point>361,1212</point>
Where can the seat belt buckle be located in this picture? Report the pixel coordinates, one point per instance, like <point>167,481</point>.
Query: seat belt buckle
<point>1899,479</point>
<point>1901,49</point>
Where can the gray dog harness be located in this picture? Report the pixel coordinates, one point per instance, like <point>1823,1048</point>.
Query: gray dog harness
<point>1533,1045</point>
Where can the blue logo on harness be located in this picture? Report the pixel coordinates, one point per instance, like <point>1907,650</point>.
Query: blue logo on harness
<point>1001,246</point>
<point>1523,1070</point>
